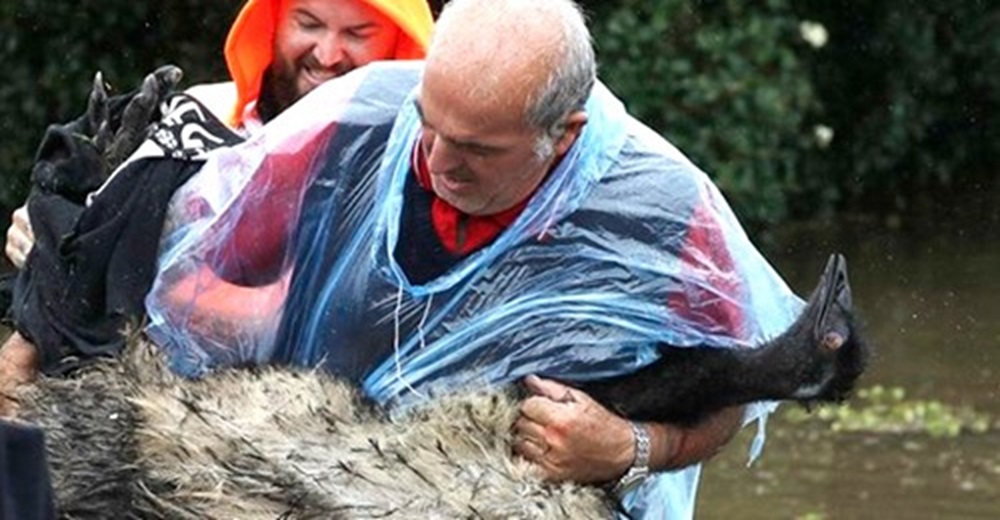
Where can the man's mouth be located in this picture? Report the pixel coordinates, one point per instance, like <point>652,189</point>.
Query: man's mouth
<point>312,74</point>
<point>453,183</point>
<point>313,77</point>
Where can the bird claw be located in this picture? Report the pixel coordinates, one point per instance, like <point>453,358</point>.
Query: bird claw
<point>97,104</point>
<point>139,113</point>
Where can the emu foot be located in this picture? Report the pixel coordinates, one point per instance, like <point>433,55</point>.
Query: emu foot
<point>116,125</point>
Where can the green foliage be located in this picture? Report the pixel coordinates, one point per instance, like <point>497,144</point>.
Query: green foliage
<point>887,410</point>
<point>899,104</point>
<point>725,81</point>
<point>50,51</point>
<point>912,90</point>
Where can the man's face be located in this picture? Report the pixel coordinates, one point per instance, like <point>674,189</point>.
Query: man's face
<point>481,154</point>
<point>317,40</point>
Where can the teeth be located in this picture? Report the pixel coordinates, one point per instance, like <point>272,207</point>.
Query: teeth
<point>316,77</point>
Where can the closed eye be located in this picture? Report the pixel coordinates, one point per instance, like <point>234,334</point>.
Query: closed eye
<point>307,21</point>
<point>363,32</point>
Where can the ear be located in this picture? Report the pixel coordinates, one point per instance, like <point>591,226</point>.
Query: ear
<point>572,128</point>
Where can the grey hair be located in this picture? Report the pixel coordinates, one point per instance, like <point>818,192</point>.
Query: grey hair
<point>570,80</point>
<point>569,84</point>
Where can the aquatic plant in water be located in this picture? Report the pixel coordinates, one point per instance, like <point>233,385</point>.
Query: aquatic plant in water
<point>879,409</point>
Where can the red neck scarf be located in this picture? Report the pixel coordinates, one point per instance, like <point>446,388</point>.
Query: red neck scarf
<point>461,234</point>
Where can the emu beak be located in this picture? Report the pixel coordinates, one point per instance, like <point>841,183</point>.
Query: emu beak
<point>835,297</point>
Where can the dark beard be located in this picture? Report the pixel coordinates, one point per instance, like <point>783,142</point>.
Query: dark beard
<point>279,88</point>
<point>277,93</point>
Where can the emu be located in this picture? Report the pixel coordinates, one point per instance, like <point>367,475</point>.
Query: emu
<point>130,437</point>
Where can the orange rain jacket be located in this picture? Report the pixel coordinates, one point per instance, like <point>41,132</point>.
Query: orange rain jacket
<point>250,44</point>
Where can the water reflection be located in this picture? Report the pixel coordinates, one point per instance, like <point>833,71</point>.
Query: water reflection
<point>930,301</point>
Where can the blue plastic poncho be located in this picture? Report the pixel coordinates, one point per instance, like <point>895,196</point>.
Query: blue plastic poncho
<point>626,245</point>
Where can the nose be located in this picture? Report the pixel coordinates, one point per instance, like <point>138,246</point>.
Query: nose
<point>442,157</point>
<point>329,51</point>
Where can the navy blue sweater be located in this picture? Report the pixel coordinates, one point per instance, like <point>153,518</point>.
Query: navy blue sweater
<point>25,488</point>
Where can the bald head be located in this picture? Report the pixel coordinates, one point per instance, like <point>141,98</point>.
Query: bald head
<point>501,102</point>
<point>532,57</point>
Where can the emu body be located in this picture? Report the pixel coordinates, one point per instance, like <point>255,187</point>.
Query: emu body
<point>130,437</point>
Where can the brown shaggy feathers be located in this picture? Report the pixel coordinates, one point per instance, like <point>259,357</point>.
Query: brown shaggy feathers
<point>129,437</point>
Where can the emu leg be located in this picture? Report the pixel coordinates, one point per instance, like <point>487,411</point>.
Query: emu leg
<point>817,359</point>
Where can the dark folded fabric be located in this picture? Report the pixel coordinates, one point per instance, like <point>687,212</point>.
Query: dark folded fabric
<point>25,488</point>
<point>93,261</point>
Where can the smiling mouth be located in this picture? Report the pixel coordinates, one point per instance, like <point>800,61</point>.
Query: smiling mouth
<point>316,77</point>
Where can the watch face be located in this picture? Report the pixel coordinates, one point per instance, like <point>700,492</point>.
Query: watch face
<point>631,480</point>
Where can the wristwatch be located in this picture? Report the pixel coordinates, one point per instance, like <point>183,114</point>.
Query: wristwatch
<point>639,470</point>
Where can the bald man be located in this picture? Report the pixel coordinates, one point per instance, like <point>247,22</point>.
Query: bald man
<point>518,222</point>
<point>496,121</point>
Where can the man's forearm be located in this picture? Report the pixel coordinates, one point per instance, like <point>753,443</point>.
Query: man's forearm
<point>674,447</point>
<point>18,365</point>
<point>18,359</point>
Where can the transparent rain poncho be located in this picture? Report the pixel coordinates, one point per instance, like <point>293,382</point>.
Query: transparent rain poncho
<point>281,250</point>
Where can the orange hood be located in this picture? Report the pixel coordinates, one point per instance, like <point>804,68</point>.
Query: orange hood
<point>250,44</point>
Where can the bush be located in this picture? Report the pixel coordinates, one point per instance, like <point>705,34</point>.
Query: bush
<point>51,50</point>
<point>898,107</point>
<point>727,82</point>
<point>913,91</point>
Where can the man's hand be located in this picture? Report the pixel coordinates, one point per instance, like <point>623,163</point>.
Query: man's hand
<point>18,365</point>
<point>20,238</point>
<point>570,436</point>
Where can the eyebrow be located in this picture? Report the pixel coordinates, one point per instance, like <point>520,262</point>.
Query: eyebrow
<point>301,11</point>
<point>472,145</point>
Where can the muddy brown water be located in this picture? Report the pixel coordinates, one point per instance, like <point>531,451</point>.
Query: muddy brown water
<point>930,297</point>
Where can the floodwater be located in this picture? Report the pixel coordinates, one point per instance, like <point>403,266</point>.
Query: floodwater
<point>930,298</point>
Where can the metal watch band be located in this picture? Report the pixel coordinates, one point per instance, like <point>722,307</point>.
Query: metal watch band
<point>639,470</point>
<point>641,438</point>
